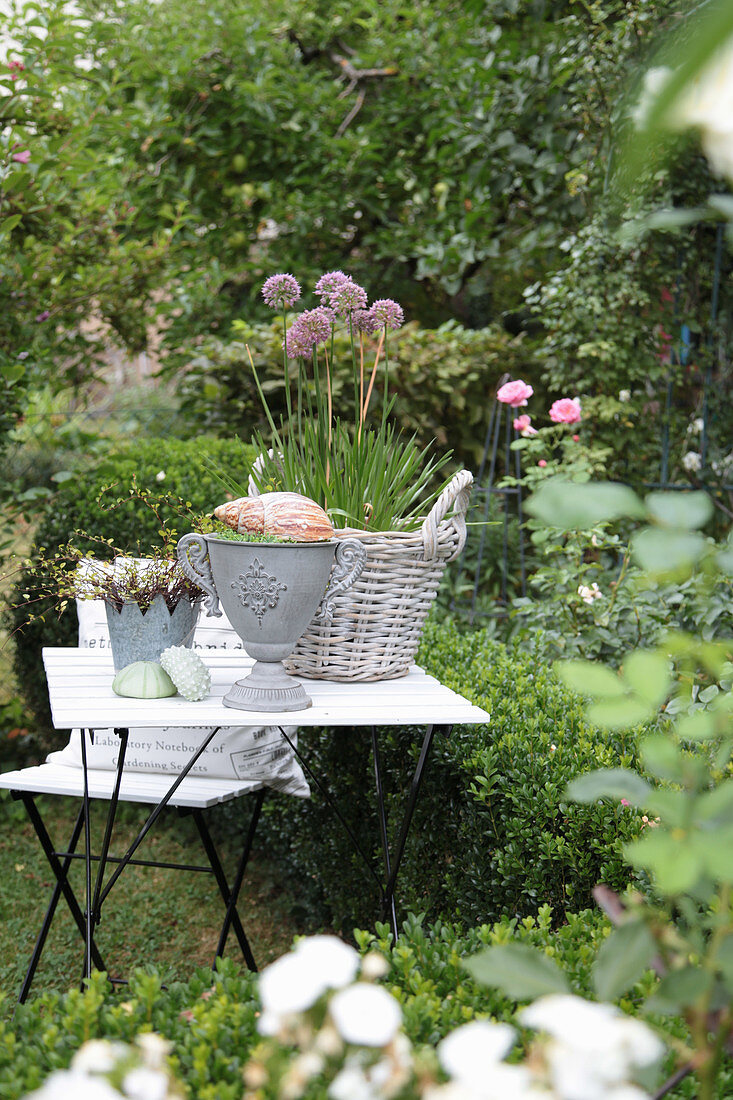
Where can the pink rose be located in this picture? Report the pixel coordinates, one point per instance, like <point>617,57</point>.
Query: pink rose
<point>23,157</point>
<point>523,424</point>
<point>514,393</point>
<point>542,462</point>
<point>565,411</point>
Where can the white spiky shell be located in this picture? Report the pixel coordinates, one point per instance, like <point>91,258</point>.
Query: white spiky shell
<point>288,515</point>
<point>187,671</point>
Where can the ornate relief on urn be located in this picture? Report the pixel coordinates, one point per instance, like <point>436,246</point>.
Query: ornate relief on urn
<point>271,590</point>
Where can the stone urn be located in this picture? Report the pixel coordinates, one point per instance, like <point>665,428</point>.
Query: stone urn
<point>270,591</point>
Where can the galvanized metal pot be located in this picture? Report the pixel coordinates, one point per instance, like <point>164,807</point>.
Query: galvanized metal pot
<point>137,635</point>
<point>270,592</point>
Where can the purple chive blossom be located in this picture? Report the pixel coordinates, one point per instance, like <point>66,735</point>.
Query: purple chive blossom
<point>317,323</point>
<point>347,297</point>
<point>387,313</point>
<point>298,344</point>
<point>363,321</point>
<point>309,329</point>
<point>281,291</point>
<point>328,283</point>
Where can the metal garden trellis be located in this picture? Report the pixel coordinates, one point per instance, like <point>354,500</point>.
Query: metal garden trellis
<point>499,477</point>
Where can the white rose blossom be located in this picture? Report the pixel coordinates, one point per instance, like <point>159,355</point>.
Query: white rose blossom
<point>367,1015</point>
<point>98,1056</point>
<point>294,982</point>
<point>706,103</point>
<point>589,594</point>
<point>692,462</point>
<point>70,1083</point>
<point>594,1048</point>
<point>466,1052</point>
<point>144,1083</point>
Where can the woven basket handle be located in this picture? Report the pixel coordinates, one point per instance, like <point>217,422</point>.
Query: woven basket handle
<point>455,495</point>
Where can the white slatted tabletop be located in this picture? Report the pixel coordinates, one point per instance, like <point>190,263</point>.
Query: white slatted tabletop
<point>80,693</point>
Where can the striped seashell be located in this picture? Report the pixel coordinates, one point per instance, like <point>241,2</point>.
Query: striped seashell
<point>288,515</point>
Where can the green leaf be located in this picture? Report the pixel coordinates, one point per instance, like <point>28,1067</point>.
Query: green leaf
<point>8,224</point>
<point>661,756</point>
<point>660,552</point>
<point>725,959</point>
<point>672,859</point>
<point>610,783</point>
<point>679,989</point>
<point>622,959</point>
<point>716,805</point>
<point>589,678</point>
<point>619,714</point>
<point>680,510</point>
<point>568,504</point>
<point>724,560</point>
<point>648,675</point>
<point>715,850</point>
<point>698,726</point>
<point>520,971</point>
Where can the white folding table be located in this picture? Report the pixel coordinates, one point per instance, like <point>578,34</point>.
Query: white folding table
<point>81,696</point>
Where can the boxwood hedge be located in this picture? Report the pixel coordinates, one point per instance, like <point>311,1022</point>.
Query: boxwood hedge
<point>493,832</point>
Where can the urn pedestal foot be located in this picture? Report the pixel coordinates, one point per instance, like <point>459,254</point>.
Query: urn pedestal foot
<point>267,688</point>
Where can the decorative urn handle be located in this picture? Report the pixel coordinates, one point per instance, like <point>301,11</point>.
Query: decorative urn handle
<point>348,565</point>
<point>193,557</point>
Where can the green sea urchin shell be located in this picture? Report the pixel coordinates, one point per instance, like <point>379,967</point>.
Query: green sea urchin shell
<point>187,671</point>
<point>143,680</point>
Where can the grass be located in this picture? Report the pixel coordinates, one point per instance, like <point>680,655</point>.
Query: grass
<point>170,919</point>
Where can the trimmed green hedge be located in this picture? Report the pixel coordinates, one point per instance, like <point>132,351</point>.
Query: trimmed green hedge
<point>212,1022</point>
<point>493,833</point>
<point>132,526</point>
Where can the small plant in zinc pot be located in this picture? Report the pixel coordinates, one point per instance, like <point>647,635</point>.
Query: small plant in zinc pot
<point>150,602</point>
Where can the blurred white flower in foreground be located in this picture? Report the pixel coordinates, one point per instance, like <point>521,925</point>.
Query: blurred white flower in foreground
<point>654,81</point>
<point>472,1056</point>
<point>98,1056</point>
<point>366,1015</point>
<point>706,103</point>
<point>295,981</point>
<point>64,1084</point>
<point>362,1080</point>
<point>594,1049</point>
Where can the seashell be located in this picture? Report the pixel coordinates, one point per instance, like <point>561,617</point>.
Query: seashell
<point>143,680</point>
<point>288,515</point>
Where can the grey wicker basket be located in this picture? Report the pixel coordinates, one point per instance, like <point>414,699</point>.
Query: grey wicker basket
<point>377,623</point>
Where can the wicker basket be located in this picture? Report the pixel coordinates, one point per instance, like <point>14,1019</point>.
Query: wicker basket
<point>377,623</point>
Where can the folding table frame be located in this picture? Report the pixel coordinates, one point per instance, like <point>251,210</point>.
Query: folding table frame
<point>80,694</point>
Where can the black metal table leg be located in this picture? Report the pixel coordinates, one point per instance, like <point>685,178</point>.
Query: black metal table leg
<point>231,896</point>
<point>154,815</point>
<point>89,934</point>
<point>383,825</point>
<point>322,789</point>
<point>415,784</point>
<point>392,859</point>
<point>60,871</point>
